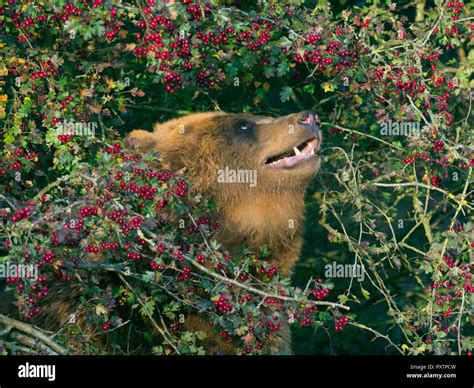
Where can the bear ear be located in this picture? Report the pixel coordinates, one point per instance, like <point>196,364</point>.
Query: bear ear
<point>141,140</point>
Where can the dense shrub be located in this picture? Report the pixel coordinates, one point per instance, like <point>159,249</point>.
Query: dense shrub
<point>397,205</point>
<point>129,216</point>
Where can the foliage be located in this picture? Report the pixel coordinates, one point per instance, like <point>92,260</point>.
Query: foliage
<point>79,75</point>
<point>129,216</point>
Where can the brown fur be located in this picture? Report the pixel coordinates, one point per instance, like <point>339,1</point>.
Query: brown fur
<point>270,214</point>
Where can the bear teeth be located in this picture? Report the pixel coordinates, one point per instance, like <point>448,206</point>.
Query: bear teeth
<point>299,153</point>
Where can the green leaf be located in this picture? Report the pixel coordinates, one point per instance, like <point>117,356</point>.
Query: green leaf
<point>286,93</point>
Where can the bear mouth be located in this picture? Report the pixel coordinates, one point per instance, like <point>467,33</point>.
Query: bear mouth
<point>297,155</point>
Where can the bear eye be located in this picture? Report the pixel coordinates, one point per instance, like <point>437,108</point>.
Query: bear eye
<point>245,126</point>
<point>242,130</point>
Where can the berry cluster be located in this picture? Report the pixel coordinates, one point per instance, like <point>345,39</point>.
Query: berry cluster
<point>270,272</point>
<point>21,214</point>
<point>339,325</point>
<point>320,293</point>
<point>88,211</point>
<point>64,139</point>
<point>184,275</point>
<point>223,305</point>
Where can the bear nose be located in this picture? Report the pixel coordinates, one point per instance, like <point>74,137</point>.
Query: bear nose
<point>310,121</point>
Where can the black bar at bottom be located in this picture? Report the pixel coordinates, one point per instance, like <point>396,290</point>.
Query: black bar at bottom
<point>299,371</point>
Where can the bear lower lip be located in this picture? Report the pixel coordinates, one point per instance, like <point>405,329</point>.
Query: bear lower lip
<point>298,155</point>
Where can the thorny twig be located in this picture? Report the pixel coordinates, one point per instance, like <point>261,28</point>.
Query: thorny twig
<point>30,330</point>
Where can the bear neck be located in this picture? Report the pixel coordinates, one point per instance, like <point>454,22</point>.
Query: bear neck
<point>272,220</point>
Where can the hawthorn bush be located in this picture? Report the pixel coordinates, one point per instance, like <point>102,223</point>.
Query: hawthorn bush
<point>77,76</point>
<point>128,215</point>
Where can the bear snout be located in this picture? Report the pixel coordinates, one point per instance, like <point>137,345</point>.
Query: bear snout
<point>310,121</point>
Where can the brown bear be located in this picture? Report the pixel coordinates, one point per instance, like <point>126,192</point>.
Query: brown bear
<point>257,169</point>
<point>278,152</point>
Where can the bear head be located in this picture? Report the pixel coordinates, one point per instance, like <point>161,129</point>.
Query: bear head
<point>219,147</point>
<point>257,169</point>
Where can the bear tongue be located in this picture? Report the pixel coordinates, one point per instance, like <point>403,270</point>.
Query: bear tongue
<point>290,161</point>
<point>298,156</point>
<point>311,146</point>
